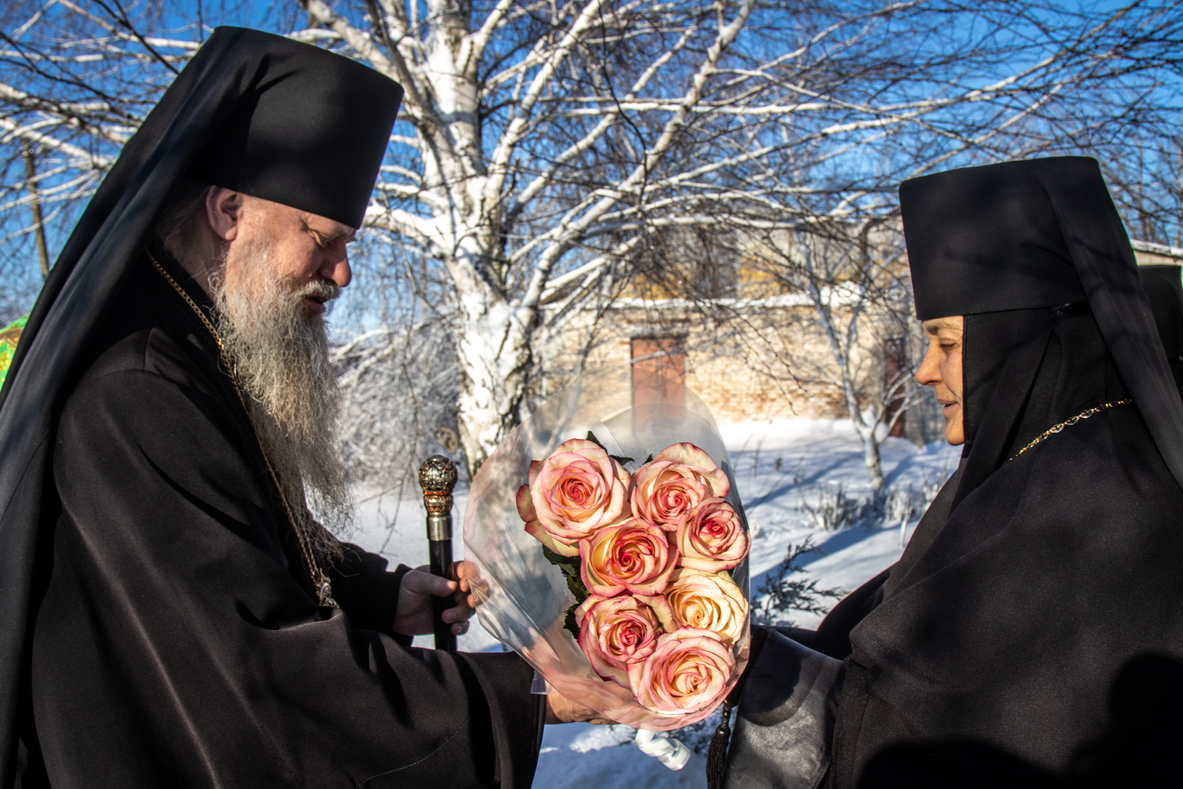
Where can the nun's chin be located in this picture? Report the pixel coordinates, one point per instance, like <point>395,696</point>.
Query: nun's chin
<point>954,425</point>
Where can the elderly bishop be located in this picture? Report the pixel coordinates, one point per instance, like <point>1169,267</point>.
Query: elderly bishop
<point>172,615</point>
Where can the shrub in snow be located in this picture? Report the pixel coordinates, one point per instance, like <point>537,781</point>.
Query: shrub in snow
<point>784,590</point>
<point>832,510</point>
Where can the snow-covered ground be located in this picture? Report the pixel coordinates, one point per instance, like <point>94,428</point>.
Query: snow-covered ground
<point>778,467</point>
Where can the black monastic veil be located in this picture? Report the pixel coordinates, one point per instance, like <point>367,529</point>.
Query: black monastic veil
<point>1035,576</point>
<point>1164,289</point>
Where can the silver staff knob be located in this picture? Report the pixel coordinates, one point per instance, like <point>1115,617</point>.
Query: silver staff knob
<point>437,477</point>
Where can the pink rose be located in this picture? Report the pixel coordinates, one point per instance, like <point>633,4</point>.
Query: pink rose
<point>686,673</point>
<point>635,556</point>
<point>676,481</point>
<point>708,602</point>
<point>711,538</point>
<point>534,528</point>
<point>574,492</point>
<point>615,632</point>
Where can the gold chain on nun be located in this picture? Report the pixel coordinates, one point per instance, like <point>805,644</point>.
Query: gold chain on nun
<point>1051,431</point>
<point>324,587</point>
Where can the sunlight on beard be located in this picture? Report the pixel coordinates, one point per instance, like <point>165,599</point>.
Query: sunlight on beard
<point>279,353</point>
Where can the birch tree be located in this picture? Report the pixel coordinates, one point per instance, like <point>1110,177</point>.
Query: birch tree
<point>541,140</point>
<point>852,278</point>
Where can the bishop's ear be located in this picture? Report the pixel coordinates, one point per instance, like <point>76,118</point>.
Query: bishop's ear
<point>223,208</point>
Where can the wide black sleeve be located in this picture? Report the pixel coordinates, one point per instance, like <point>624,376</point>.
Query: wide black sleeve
<point>788,705</point>
<point>833,634</point>
<point>367,592</point>
<point>784,726</point>
<point>173,647</point>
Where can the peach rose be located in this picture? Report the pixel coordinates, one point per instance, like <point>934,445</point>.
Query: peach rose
<point>676,481</point>
<point>686,673</point>
<point>571,494</point>
<point>634,556</point>
<point>534,528</point>
<point>707,602</point>
<point>711,538</point>
<point>615,632</point>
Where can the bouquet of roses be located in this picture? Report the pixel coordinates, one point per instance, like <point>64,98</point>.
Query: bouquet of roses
<point>646,556</point>
<point>646,619</point>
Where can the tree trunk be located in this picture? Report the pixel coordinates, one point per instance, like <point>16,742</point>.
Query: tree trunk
<point>493,344</point>
<point>871,457</point>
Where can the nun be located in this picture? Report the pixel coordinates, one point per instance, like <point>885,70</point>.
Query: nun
<point>1050,562</point>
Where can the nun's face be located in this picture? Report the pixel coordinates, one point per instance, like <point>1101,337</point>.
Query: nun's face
<point>941,369</point>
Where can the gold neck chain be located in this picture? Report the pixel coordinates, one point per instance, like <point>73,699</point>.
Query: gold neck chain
<point>1051,431</point>
<point>324,587</point>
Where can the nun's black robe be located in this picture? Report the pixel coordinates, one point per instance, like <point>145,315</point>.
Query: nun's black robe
<point>1006,624</point>
<point>176,637</point>
<point>1032,583</point>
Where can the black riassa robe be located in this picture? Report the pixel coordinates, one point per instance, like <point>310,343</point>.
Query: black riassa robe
<point>176,638</point>
<point>1034,583</point>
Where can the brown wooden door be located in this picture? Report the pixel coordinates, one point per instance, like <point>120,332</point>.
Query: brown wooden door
<point>895,363</point>
<point>658,364</point>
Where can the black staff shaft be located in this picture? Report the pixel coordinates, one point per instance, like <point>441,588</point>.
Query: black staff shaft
<point>437,476</point>
<point>441,564</point>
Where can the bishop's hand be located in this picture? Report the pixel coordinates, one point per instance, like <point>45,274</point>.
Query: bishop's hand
<point>560,709</point>
<point>413,616</point>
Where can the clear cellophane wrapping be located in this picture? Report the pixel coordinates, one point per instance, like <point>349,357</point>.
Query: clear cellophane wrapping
<point>522,598</point>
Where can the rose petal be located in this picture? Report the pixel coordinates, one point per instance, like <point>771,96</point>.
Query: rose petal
<point>634,555</point>
<point>616,632</point>
<point>708,602</point>
<point>687,672</point>
<point>577,490</point>
<point>711,537</point>
<point>526,504</point>
<point>535,530</point>
<point>664,491</point>
<point>689,455</point>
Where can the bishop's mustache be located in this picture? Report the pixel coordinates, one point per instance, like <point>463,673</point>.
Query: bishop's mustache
<point>323,291</point>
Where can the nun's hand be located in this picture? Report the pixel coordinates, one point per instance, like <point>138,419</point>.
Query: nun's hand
<point>419,586</point>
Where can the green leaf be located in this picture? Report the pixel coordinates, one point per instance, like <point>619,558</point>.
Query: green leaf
<point>565,563</point>
<point>570,624</point>
<point>618,458</point>
<point>571,567</point>
<point>575,584</point>
<point>648,460</point>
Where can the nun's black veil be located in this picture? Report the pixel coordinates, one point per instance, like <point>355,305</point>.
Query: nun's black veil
<point>1035,257</point>
<point>1019,236</point>
<point>1164,289</point>
<point>207,127</point>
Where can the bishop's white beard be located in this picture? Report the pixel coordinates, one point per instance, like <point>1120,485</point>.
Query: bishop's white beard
<point>279,354</point>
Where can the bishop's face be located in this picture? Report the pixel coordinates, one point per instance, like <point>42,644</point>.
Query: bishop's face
<point>308,253</point>
<point>941,369</point>
<point>281,268</point>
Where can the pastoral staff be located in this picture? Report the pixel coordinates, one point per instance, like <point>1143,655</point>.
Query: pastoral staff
<point>1046,573</point>
<point>171,615</point>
